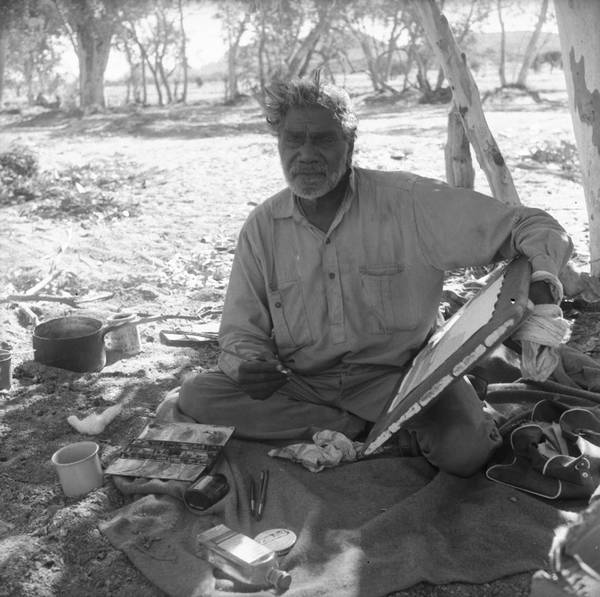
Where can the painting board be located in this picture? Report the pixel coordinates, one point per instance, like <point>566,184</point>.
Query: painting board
<point>470,334</point>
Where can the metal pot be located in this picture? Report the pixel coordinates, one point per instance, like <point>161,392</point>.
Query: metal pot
<point>75,343</point>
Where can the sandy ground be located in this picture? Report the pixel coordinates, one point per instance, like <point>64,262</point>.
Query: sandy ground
<point>157,198</point>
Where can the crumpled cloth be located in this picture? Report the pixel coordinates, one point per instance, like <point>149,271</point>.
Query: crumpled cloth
<point>540,335</point>
<point>328,450</point>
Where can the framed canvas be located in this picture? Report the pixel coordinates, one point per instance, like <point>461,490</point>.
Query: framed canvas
<point>470,334</point>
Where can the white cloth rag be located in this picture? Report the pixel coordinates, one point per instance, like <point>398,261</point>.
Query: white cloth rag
<point>540,335</point>
<point>328,450</point>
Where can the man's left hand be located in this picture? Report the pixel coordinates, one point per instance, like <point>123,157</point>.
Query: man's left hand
<point>540,293</point>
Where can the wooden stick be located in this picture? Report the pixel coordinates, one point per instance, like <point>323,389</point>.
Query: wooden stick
<point>44,282</point>
<point>72,301</point>
<point>152,318</point>
<point>15,298</point>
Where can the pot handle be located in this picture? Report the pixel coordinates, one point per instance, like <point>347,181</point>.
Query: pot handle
<point>113,325</point>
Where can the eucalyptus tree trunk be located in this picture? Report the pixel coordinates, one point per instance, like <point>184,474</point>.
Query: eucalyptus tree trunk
<point>93,49</point>
<point>459,164</point>
<point>3,48</point>
<point>578,26</point>
<point>183,50</point>
<point>467,100</point>
<point>532,45</point>
<point>578,22</point>
<point>502,64</point>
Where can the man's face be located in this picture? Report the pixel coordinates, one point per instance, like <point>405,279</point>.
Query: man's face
<point>314,153</point>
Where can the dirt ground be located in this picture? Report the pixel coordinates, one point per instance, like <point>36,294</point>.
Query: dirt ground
<point>146,204</point>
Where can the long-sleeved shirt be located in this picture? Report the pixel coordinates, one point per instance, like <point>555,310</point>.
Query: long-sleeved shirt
<point>368,290</point>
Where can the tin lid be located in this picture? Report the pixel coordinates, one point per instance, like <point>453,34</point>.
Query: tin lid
<point>278,540</point>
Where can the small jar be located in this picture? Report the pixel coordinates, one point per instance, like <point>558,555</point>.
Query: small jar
<point>126,338</point>
<point>243,558</point>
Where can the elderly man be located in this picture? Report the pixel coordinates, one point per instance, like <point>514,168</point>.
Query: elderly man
<point>336,283</point>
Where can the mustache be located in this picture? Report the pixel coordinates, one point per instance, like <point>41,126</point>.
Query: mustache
<point>307,170</point>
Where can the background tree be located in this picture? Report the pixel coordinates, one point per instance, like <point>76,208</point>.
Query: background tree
<point>502,62</point>
<point>532,45</point>
<point>526,58</point>
<point>10,12</point>
<point>136,85</point>
<point>289,39</point>
<point>182,52</point>
<point>236,18</point>
<point>33,56</point>
<point>151,37</point>
<point>465,15</point>
<point>389,17</point>
<point>91,25</point>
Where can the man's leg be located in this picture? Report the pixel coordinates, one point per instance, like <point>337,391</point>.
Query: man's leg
<point>295,411</point>
<point>454,433</point>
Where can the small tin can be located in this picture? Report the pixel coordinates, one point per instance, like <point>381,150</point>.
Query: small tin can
<point>278,540</point>
<point>126,338</point>
<point>206,491</point>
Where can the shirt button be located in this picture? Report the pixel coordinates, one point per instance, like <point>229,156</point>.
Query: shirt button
<point>327,241</point>
<point>278,305</point>
<point>332,275</point>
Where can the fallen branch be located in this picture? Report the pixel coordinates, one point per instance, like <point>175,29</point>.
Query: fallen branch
<point>72,301</point>
<point>43,283</point>
<point>151,318</point>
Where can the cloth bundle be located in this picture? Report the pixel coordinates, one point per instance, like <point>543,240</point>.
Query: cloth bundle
<point>329,449</point>
<point>540,335</point>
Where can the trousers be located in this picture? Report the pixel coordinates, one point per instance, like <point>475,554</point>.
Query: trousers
<point>455,434</point>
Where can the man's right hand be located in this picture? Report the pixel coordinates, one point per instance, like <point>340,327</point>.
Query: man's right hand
<point>260,378</point>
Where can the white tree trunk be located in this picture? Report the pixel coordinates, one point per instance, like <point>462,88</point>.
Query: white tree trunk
<point>466,98</point>
<point>93,49</point>
<point>532,46</point>
<point>457,154</point>
<point>579,27</point>
<point>3,50</point>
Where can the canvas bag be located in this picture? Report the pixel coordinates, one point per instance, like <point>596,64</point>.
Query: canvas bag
<point>554,453</point>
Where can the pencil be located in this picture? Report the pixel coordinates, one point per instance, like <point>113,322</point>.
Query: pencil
<point>262,498</point>
<point>252,497</point>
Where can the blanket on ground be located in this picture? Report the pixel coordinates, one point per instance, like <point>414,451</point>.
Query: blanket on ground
<point>366,528</point>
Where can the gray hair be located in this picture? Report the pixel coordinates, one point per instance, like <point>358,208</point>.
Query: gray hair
<point>283,95</point>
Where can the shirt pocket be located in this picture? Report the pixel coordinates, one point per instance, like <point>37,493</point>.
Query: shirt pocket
<point>389,297</point>
<point>289,315</point>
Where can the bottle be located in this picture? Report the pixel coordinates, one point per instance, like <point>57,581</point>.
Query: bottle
<point>243,558</point>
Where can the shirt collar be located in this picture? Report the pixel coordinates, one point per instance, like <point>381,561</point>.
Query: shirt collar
<point>286,206</point>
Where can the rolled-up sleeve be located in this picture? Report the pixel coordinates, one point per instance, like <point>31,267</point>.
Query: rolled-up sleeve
<point>246,325</point>
<point>460,227</point>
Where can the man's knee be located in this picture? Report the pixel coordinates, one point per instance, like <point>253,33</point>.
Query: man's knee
<point>199,393</point>
<point>463,453</point>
